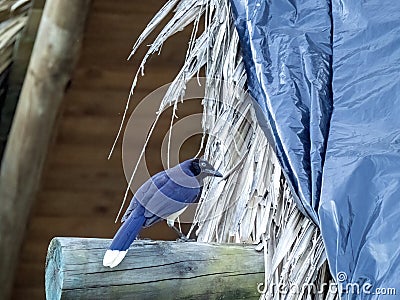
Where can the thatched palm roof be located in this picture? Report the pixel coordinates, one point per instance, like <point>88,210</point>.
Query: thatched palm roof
<point>13,17</point>
<point>254,203</point>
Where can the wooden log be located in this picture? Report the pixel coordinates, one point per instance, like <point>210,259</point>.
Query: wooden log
<point>53,59</point>
<point>152,270</point>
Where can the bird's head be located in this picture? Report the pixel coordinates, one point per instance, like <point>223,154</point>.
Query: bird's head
<point>201,167</point>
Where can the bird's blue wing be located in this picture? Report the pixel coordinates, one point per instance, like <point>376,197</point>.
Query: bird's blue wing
<point>164,203</point>
<point>146,191</point>
<point>165,193</point>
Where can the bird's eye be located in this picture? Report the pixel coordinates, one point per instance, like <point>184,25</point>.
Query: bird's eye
<point>203,164</point>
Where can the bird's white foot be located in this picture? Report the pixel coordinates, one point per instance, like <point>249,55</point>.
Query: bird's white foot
<point>184,239</point>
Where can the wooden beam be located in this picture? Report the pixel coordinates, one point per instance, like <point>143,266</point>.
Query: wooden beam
<point>152,270</point>
<point>53,58</point>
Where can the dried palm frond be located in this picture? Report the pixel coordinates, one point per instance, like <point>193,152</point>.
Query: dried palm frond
<point>13,17</point>
<point>253,203</point>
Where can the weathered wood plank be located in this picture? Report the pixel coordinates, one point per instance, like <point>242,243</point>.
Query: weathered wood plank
<point>119,78</point>
<point>120,7</point>
<point>53,59</point>
<point>152,270</point>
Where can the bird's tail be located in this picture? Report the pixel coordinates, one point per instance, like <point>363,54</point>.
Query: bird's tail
<point>124,237</point>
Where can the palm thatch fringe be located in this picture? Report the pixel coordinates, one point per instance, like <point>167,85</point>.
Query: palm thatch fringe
<point>253,204</point>
<point>13,17</point>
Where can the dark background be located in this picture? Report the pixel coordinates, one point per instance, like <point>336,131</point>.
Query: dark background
<point>81,190</point>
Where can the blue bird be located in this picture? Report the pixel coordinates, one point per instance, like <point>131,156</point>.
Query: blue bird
<point>164,196</point>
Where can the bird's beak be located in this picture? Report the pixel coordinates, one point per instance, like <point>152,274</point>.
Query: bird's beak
<point>215,173</point>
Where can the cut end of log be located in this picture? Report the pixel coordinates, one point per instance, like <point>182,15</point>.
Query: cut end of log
<point>54,273</point>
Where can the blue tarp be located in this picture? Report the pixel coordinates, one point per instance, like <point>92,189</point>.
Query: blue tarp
<point>326,77</point>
